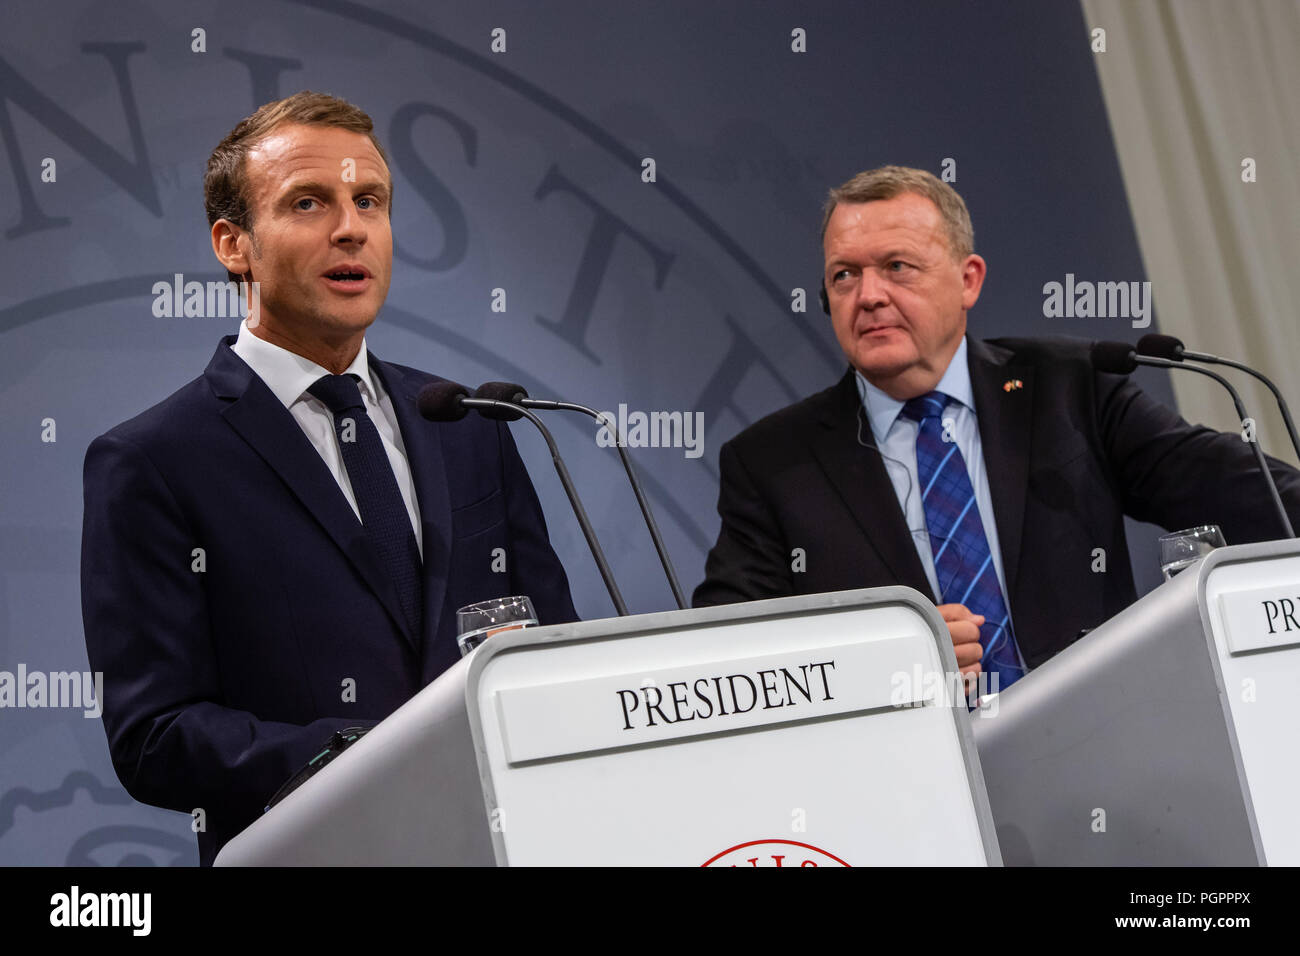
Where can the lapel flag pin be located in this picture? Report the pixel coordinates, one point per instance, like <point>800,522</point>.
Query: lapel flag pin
<point>1011,384</point>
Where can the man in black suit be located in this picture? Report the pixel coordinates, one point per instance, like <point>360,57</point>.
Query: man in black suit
<point>277,551</point>
<point>972,470</point>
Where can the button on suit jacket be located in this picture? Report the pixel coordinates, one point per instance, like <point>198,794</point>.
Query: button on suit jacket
<point>1069,453</point>
<point>235,606</point>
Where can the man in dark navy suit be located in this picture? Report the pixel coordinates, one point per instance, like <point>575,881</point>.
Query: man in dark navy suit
<point>993,475</point>
<point>277,551</point>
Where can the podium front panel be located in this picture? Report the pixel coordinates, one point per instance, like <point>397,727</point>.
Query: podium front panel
<point>803,731</point>
<point>1251,602</point>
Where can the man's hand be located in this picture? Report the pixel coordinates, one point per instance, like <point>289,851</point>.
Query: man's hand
<point>965,630</point>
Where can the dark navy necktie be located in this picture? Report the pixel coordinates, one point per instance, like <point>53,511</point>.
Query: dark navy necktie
<point>383,512</point>
<point>963,562</point>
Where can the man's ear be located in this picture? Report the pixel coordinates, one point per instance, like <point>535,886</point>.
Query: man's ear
<point>227,247</point>
<point>973,270</point>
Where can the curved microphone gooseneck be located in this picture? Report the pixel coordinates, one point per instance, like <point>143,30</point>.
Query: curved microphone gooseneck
<point>449,402</point>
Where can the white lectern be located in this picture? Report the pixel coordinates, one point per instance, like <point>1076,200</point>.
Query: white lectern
<point>806,731</point>
<point>1167,736</point>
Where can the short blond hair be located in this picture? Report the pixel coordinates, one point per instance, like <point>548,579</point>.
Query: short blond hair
<point>886,182</point>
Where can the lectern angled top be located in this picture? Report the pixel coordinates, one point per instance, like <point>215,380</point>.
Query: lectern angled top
<point>813,730</point>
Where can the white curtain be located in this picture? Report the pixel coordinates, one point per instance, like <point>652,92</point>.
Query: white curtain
<point>1193,88</point>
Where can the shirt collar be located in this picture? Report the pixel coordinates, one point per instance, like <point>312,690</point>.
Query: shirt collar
<point>883,411</point>
<point>287,374</point>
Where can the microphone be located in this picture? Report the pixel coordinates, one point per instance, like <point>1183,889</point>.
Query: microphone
<point>449,402</point>
<point>1120,358</point>
<point>1168,347</point>
<point>441,402</point>
<point>518,395</point>
<point>505,392</point>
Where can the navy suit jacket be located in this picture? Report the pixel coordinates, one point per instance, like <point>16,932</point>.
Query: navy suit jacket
<point>226,669</point>
<point>1069,452</point>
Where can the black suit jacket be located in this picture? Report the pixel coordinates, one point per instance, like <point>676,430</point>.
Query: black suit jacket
<point>223,678</point>
<point>1069,453</point>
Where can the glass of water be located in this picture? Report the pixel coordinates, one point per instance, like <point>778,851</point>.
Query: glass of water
<point>475,623</point>
<point>1181,549</point>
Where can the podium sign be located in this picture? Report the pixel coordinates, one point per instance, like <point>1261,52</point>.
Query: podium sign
<point>805,731</point>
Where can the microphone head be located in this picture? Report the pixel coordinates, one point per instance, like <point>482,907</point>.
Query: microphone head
<point>1115,357</point>
<point>501,392</point>
<point>1161,346</point>
<point>441,402</point>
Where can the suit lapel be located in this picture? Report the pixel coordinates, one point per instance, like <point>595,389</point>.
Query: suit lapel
<point>859,477</point>
<point>424,455</point>
<point>1005,414</point>
<point>268,427</point>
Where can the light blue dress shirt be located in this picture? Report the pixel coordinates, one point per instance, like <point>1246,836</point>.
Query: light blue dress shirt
<point>896,438</point>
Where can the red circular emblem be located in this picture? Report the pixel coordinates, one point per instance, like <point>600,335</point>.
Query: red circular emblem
<point>774,853</point>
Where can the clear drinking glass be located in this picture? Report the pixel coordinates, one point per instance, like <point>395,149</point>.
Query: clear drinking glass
<point>475,623</point>
<point>1181,549</point>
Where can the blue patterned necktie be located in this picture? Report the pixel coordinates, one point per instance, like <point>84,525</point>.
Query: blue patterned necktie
<point>963,562</point>
<point>383,512</point>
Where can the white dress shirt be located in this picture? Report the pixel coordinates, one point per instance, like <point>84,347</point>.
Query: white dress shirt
<point>896,438</point>
<point>289,375</point>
